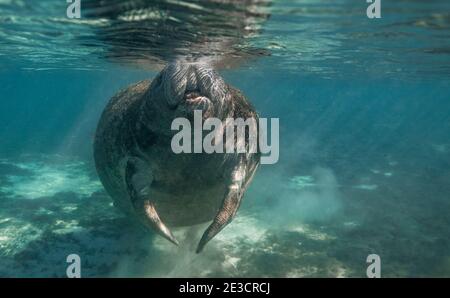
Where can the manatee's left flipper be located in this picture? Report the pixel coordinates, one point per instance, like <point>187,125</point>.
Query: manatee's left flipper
<point>138,182</point>
<point>229,206</point>
<point>146,212</point>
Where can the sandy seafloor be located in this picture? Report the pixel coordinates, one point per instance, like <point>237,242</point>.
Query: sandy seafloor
<point>307,225</point>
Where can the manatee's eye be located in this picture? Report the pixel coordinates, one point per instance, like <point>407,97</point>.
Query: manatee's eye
<point>157,81</point>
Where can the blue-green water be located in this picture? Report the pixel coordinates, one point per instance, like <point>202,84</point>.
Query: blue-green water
<point>364,109</point>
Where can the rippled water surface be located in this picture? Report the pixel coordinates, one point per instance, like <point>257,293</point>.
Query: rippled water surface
<point>321,37</point>
<point>364,135</point>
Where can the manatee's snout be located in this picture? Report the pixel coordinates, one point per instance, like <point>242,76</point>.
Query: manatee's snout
<point>195,86</point>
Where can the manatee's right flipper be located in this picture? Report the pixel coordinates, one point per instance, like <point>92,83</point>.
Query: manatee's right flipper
<point>138,183</point>
<point>230,205</point>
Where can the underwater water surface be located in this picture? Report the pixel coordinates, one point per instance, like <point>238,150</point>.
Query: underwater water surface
<point>364,109</point>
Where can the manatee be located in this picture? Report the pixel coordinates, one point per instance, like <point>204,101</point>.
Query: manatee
<point>142,174</point>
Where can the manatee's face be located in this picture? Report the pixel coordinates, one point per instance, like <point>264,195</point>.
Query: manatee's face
<point>186,87</point>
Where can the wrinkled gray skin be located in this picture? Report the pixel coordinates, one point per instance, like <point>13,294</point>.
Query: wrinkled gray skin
<point>146,179</point>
